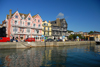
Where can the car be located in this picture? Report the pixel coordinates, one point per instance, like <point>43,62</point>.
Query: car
<point>30,40</point>
<point>4,39</point>
<point>49,40</point>
<point>59,40</point>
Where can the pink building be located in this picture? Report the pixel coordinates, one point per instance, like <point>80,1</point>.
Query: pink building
<point>22,26</point>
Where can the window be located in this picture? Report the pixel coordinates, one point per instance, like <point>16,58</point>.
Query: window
<point>23,23</point>
<point>44,28</point>
<point>28,30</point>
<point>37,31</point>
<point>15,22</point>
<point>48,33</point>
<point>20,29</point>
<point>0,38</point>
<point>44,23</point>
<point>22,17</point>
<point>44,33</point>
<point>29,18</point>
<point>28,23</point>
<point>15,29</point>
<point>38,20</point>
<point>35,20</point>
<point>16,16</point>
<point>48,28</point>
<point>20,22</point>
<point>33,25</point>
<point>39,25</point>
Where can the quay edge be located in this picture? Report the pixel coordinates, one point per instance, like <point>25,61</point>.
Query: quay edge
<point>17,45</point>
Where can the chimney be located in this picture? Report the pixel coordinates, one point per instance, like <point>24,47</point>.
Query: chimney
<point>10,12</point>
<point>58,21</point>
<point>49,21</point>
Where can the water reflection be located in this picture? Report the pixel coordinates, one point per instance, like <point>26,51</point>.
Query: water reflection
<point>84,55</point>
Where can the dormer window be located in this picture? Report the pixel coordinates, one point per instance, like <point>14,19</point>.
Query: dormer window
<point>22,17</point>
<point>16,16</point>
<point>29,18</point>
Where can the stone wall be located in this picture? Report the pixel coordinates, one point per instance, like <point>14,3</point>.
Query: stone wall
<point>5,45</point>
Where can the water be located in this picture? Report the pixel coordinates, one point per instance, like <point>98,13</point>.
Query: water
<point>69,56</point>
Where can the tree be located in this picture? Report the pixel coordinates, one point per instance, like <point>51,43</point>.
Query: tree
<point>90,32</point>
<point>69,31</point>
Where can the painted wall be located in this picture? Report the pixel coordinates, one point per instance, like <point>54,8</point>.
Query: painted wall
<point>23,23</point>
<point>46,28</point>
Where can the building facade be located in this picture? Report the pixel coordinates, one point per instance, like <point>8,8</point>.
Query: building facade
<point>59,28</point>
<point>22,26</point>
<point>46,29</point>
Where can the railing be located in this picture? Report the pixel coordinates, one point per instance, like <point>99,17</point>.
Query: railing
<point>46,30</point>
<point>55,29</point>
<point>26,26</point>
<point>37,33</point>
<point>55,34</point>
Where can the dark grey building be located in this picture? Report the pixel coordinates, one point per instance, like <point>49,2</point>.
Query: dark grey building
<point>59,28</point>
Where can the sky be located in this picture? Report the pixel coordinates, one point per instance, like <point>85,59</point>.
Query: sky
<point>80,15</point>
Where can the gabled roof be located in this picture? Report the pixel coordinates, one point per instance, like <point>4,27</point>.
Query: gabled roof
<point>20,15</point>
<point>34,16</point>
<point>3,22</point>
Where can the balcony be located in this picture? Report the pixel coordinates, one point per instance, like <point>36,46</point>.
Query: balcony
<point>45,30</point>
<point>16,25</point>
<point>55,34</point>
<point>37,33</point>
<point>22,33</point>
<point>55,29</point>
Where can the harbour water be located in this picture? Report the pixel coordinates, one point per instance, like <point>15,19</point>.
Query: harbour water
<point>67,56</point>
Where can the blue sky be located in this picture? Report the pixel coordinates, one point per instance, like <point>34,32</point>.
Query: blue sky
<point>81,15</point>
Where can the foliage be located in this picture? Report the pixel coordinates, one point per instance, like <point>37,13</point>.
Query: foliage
<point>90,32</point>
<point>69,31</point>
<point>73,36</point>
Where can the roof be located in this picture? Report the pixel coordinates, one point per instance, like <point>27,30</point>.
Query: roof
<point>3,22</point>
<point>20,15</point>
<point>54,23</point>
<point>0,24</point>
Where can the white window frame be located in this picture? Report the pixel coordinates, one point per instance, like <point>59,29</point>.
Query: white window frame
<point>16,16</point>
<point>29,30</point>
<point>15,29</point>
<point>29,19</point>
<point>39,26</point>
<point>33,25</point>
<point>27,23</point>
<point>15,23</point>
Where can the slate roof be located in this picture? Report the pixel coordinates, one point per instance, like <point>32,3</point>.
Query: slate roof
<point>21,15</point>
<point>54,23</point>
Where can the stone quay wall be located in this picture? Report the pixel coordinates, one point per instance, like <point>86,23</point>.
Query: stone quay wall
<point>9,45</point>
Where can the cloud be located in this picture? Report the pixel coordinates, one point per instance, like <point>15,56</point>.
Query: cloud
<point>60,15</point>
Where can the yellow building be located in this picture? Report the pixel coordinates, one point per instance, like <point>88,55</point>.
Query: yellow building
<point>96,36</point>
<point>46,29</point>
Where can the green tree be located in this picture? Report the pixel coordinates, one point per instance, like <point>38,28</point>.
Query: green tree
<point>70,37</point>
<point>90,32</point>
<point>69,31</point>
